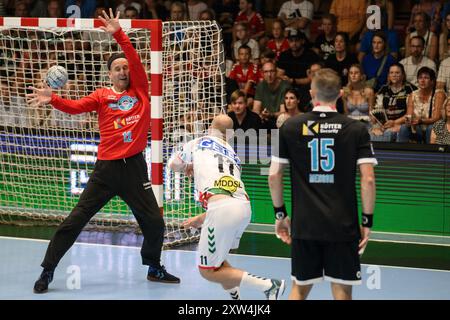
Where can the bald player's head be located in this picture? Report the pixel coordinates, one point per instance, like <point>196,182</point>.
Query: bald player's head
<point>220,125</point>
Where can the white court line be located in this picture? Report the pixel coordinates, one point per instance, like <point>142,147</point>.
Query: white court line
<point>232,254</point>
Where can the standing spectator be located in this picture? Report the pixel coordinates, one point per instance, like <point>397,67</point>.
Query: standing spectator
<point>432,9</point>
<point>255,22</point>
<point>358,98</point>
<point>194,8</point>
<point>376,64</point>
<point>295,62</point>
<point>417,60</point>
<point>278,43</point>
<point>269,95</point>
<point>444,39</point>
<point>351,17</point>
<point>341,60</point>
<point>440,134</point>
<point>326,239</point>
<point>243,118</point>
<point>246,74</point>
<point>422,26</point>
<point>153,9</point>
<point>324,44</point>
<point>424,109</point>
<point>297,14</point>
<point>242,36</point>
<point>392,100</point>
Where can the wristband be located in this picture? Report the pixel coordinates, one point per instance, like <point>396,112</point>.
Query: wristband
<point>367,220</point>
<point>280,212</point>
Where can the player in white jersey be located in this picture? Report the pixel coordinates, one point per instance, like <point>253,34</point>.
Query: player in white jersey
<point>217,176</point>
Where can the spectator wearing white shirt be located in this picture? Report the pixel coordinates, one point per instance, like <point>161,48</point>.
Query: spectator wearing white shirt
<point>195,7</point>
<point>297,14</point>
<point>416,60</point>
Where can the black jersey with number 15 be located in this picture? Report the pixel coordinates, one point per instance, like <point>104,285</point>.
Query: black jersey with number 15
<point>324,149</point>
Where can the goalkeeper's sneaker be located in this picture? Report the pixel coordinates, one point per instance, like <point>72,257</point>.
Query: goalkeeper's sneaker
<point>41,285</point>
<point>161,275</point>
<point>276,290</point>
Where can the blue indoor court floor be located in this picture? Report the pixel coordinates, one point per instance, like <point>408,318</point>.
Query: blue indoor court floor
<point>109,272</point>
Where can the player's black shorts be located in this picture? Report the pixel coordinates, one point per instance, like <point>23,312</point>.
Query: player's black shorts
<point>313,261</point>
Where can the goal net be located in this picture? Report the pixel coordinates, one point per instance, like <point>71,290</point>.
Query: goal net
<point>46,156</point>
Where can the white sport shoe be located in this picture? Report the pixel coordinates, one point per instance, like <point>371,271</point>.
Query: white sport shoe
<point>276,290</point>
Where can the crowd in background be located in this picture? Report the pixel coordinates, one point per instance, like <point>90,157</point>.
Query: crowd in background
<point>395,78</point>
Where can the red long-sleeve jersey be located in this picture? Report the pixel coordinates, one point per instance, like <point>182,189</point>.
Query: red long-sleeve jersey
<point>123,118</point>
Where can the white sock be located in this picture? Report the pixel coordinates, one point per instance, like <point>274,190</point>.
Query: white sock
<point>234,293</point>
<point>256,282</point>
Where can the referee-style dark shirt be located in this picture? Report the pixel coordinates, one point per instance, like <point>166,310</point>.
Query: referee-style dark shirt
<point>251,121</point>
<point>323,149</point>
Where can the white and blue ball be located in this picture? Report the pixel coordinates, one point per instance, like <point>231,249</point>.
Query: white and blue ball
<point>56,77</point>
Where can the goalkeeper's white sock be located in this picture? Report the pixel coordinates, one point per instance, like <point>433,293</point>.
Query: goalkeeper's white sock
<point>256,282</point>
<point>234,293</point>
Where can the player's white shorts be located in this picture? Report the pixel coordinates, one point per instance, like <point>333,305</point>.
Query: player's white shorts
<point>225,222</point>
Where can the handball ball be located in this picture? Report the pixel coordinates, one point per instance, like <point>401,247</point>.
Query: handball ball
<point>56,77</point>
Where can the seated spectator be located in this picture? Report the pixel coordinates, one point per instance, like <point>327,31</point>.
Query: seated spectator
<point>376,64</point>
<point>21,10</point>
<point>242,36</point>
<point>243,118</point>
<point>324,44</point>
<point>269,95</point>
<point>341,60</point>
<point>358,98</point>
<point>297,14</point>
<point>444,39</point>
<point>194,9</point>
<point>424,109</point>
<point>207,15</point>
<point>351,17</point>
<point>392,101</point>
<point>255,22</point>
<point>38,9</point>
<point>304,94</point>
<point>422,28</point>
<point>246,74</point>
<point>416,60</point>
<point>290,107</point>
<point>295,62</point>
<point>443,80</point>
<point>278,43</point>
<point>433,11</point>
<point>131,13</point>
<point>121,5</point>
<point>440,134</point>
<point>225,11</point>
<point>177,11</point>
<point>153,9</point>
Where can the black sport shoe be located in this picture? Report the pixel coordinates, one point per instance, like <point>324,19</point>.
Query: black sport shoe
<point>161,275</point>
<point>41,285</point>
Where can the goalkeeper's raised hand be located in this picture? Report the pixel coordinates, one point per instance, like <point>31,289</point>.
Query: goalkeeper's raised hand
<point>111,23</point>
<point>39,97</point>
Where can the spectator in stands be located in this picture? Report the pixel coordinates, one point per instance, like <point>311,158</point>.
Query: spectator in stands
<point>424,109</point>
<point>254,20</point>
<point>242,37</point>
<point>416,60</point>
<point>21,10</point>
<point>131,13</point>
<point>194,9</point>
<point>297,14</point>
<point>177,11</point>
<point>324,43</point>
<point>153,9</point>
<point>246,74</point>
<point>351,17</point>
<point>392,39</point>
<point>443,80</point>
<point>295,62</point>
<point>440,134</point>
<point>243,118</point>
<point>392,100</point>
<point>358,98</point>
<point>304,90</point>
<point>376,64</point>
<point>269,95</point>
<point>225,11</point>
<point>38,9</point>
<point>341,60</point>
<point>422,28</point>
<point>290,107</point>
<point>87,7</point>
<point>433,11</point>
<point>278,43</point>
<point>444,39</point>
<point>121,5</point>
<point>207,15</point>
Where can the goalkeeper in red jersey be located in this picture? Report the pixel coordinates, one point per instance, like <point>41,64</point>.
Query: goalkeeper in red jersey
<point>124,120</point>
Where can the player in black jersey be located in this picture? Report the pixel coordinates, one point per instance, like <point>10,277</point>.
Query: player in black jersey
<point>323,149</point>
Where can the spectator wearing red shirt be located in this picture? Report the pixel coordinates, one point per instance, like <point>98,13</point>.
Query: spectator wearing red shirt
<point>278,43</point>
<point>255,21</point>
